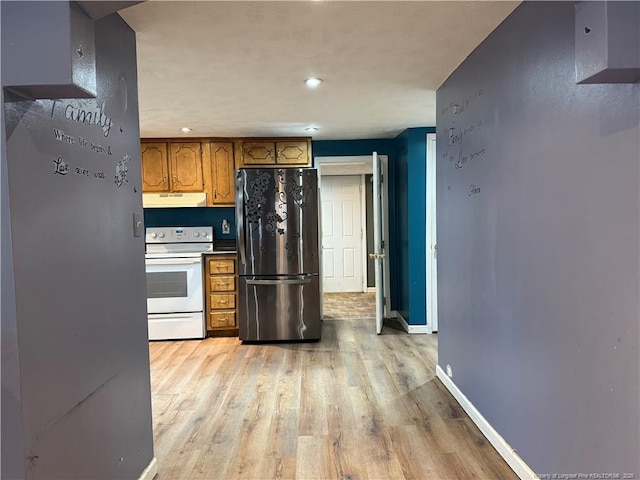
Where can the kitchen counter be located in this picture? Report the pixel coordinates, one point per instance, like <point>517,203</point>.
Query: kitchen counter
<point>224,244</point>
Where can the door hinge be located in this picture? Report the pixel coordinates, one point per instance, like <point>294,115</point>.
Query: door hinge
<point>382,244</point>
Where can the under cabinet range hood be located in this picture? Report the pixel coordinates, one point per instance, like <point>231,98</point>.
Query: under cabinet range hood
<point>169,200</point>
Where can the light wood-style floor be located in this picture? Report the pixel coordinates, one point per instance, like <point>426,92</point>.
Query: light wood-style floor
<point>353,406</point>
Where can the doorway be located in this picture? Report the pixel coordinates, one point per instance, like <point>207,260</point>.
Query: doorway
<point>342,233</point>
<point>362,167</point>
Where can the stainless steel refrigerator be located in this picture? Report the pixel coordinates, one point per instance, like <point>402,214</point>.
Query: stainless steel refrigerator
<point>277,222</point>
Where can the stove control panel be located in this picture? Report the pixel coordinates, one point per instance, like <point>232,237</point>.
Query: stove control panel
<point>179,235</point>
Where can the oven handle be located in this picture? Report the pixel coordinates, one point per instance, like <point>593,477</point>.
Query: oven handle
<point>299,281</point>
<point>152,262</point>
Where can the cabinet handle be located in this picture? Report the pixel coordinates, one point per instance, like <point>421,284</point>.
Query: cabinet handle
<point>215,195</point>
<point>164,180</point>
<point>223,302</point>
<point>223,283</point>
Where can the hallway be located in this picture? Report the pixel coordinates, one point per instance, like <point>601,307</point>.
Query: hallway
<point>348,305</point>
<point>355,405</point>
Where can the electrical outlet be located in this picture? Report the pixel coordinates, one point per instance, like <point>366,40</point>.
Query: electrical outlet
<point>225,227</point>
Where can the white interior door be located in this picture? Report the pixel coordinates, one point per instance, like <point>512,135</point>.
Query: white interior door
<point>378,253</point>
<point>341,233</point>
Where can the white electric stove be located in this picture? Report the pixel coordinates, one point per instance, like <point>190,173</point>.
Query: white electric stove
<point>175,300</point>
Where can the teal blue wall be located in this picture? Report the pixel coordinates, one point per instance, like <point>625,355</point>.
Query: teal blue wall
<point>402,226</point>
<point>384,146</point>
<point>410,230</point>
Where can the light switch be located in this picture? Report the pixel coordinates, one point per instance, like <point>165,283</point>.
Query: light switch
<point>137,225</point>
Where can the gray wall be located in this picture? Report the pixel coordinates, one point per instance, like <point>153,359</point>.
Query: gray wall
<point>80,307</point>
<point>12,441</point>
<point>538,262</point>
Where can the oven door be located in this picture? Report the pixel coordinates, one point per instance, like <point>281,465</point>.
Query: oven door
<point>174,285</point>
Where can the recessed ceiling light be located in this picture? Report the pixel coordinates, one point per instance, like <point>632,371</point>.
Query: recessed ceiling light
<point>313,82</point>
<point>185,129</point>
<point>311,129</point>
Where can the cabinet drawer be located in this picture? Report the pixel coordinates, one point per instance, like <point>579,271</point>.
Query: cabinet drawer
<point>219,265</point>
<point>219,301</point>
<point>222,319</point>
<point>222,283</point>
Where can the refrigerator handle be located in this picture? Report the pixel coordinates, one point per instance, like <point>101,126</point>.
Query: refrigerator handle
<point>240,216</point>
<point>299,281</point>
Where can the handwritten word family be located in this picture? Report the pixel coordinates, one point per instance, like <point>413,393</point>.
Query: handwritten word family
<point>84,112</point>
<point>455,135</point>
<point>82,142</point>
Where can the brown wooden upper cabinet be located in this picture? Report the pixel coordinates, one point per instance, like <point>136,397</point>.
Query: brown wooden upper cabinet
<point>186,167</point>
<point>222,174</point>
<point>273,152</point>
<point>155,167</point>
<point>172,167</point>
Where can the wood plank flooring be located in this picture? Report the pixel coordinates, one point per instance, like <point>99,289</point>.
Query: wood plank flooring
<point>353,406</point>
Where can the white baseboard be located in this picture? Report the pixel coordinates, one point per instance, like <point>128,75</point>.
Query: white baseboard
<point>411,328</point>
<point>151,470</point>
<point>371,289</point>
<point>504,449</point>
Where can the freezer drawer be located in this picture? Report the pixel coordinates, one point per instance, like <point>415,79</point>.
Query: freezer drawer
<point>279,308</point>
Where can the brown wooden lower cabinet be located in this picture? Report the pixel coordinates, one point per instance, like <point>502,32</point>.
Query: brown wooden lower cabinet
<point>221,294</point>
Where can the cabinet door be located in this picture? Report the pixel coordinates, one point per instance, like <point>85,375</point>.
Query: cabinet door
<point>222,173</point>
<point>155,167</point>
<point>292,153</point>
<point>186,167</point>
<point>258,153</point>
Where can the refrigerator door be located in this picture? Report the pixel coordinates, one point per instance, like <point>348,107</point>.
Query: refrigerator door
<point>279,308</point>
<point>277,221</point>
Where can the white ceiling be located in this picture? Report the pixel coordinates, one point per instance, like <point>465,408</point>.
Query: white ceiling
<point>236,68</point>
